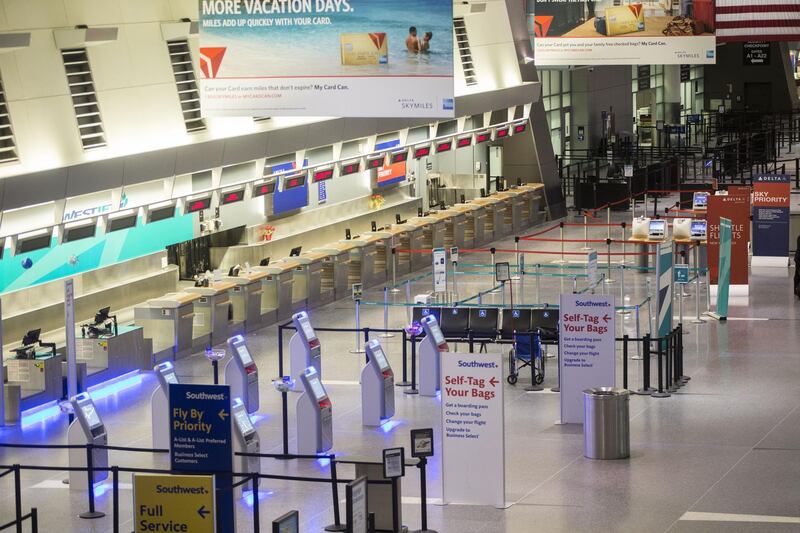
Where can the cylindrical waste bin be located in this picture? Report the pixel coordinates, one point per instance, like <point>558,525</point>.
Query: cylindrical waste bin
<point>606,418</point>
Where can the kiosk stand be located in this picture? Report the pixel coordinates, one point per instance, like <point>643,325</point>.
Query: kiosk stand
<point>430,348</point>
<point>241,373</point>
<point>304,348</point>
<point>86,428</point>
<point>159,404</point>
<point>314,416</point>
<point>377,386</point>
<point>246,440</point>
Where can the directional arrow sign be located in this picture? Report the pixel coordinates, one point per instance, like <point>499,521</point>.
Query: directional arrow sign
<point>222,415</point>
<point>586,346</point>
<point>472,428</point>
<point>162,502</point>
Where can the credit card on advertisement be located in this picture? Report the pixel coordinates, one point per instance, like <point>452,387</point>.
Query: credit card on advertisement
<point>620,20</point>
<point>364,48</point>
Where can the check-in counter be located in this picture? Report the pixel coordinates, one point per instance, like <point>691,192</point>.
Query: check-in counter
<point>493,226</point>
<point>212,324</point>
<point>514,202</point>
<point>474,223</point>
<point>454,222</point>
<point>308,279</point>
<point>40,379</point>
<point>364,260</point>
<point>109,356</point>
<point>277,299</point>
<point>248,288</point>
<point>168,321</point>
<point>391,238</point>
<point>432,231</point>
<point>335,268</point>
<point>381,258</point>
<point>533,202</point>
<point>412,239</point>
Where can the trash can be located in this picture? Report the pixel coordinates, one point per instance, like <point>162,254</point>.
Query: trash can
<point>606,423</point>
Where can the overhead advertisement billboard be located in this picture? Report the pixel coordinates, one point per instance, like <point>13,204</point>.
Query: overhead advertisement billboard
<point>613,32</point>
<point>347,58</point>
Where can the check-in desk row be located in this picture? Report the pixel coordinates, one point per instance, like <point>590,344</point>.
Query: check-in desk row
<point>179,323</point>
<point>30,382</point>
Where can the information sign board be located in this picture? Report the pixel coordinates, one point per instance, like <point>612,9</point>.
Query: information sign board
<point>586,344</point>
<point>163,502</point>
<point>681,274</point>
<point>439,270</point>
<point>771,194</point>
<point>473,438</point>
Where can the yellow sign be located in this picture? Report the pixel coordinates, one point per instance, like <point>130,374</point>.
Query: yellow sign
<point>173,504</point>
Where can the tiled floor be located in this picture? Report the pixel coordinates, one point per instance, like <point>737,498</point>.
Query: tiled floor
<point>727,444</point>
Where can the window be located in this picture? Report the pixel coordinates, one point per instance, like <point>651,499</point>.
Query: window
<point>84,97</point>
<point>183,69</point>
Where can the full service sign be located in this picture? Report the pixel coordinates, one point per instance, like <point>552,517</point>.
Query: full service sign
<point>178,504</point>
<point>586,343</point>
<point>473,441</point>
<point>771,193</point>
<point>568,32</point>
<point>347,58</point>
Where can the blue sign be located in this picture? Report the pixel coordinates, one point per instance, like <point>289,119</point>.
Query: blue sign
<point>771,201</point>
<point>200,439</point>
<point>681,273</point>
<point>693,119</point>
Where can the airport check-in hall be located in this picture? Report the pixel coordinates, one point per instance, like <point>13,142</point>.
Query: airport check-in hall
<point>406,266</point>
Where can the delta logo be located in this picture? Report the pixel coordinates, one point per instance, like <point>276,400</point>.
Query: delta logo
<point>541,25</point>
<point>636,9</point>
<point>211,59</point>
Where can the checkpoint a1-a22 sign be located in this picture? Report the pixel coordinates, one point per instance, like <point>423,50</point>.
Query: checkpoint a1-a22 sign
<point>345,58</point>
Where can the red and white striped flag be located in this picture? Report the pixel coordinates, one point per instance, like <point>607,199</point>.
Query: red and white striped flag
<point>758,20</point>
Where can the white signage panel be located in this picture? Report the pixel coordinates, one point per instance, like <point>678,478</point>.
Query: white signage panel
<point>586,344</point>
<point>439,270</point>
<point>473,439</point>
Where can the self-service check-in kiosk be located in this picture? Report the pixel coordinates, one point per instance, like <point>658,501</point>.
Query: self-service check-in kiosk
<point>246,440</point>
<point>241,373</point>
<point>314,416</point>
<point>159,404</point>
<point>168,321</point>
<point>87,428</point>
<point>377,386</point>
<point>305,349</point>
<point>211,325</point>
<point>430,348</point>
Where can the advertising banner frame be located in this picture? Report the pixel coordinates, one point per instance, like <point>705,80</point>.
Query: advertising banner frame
<point>771,206</point>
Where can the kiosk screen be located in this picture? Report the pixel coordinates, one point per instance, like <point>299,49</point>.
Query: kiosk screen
<point>171,378</point>
<point>380,358</point>
<point>92,418</point>
<point>244,355</point>
<point>658,229</point>
<point>317,388</point>
<point>700,200</point>
<point>308,331</point>
<point>438,338</point>
<point>699,229</point>
<point>244,422</point>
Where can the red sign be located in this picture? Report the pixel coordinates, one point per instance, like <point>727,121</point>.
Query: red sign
<point>322,175</point>
<point>735,207</point>
<point>500,133</point>
<point>350,168</point>
<point>422,151</point>
<point>444,146</point>
<point>464,142</point>
<point>199,204</point>
<point>232,196</point>
<point>483,137</point>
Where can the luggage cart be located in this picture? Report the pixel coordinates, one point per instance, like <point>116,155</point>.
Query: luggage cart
<point>527,352</point>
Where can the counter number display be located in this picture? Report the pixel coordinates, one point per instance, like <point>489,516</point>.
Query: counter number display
<point>482,137</point>
<point>422,151</point>
<point>444,146</point>
<point>519,128</point>
<point>323,174</point>
<point>463,142</point>
<point>294,181</point>
<point>231,197</point>
<point>399,157</point>
<point>260,189</point>
<point>198,204</point>
<point>351,167</point>
<point>501,132</point>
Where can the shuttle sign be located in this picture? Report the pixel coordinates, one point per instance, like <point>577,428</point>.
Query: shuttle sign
<point>586,343</point>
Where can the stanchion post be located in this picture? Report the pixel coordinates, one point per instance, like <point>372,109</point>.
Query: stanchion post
<point>405,382</point>
<point>285,421</point>
<point>697,319</point>
<point>17,497</point>
<point>386,334</point>
<point>645,342</point>
<point>337,524</point>
<point>608,262</point>
<point>394,270</point>
<point>357,348</point>
<point>215,365</point>
<point>34,520</point>
<point>561,237</point>
<point>625,361</point>
<point>423,493</point>
<point>538,283</point>
<point>115,496</point>
<point>608,222</point>
<point>624,259</point>
<point>91,513</point>
<point>395,506</point>
<point>413,388</point>
<point>585,232</point>
<point>660,393</point>
<point>256,510</point>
